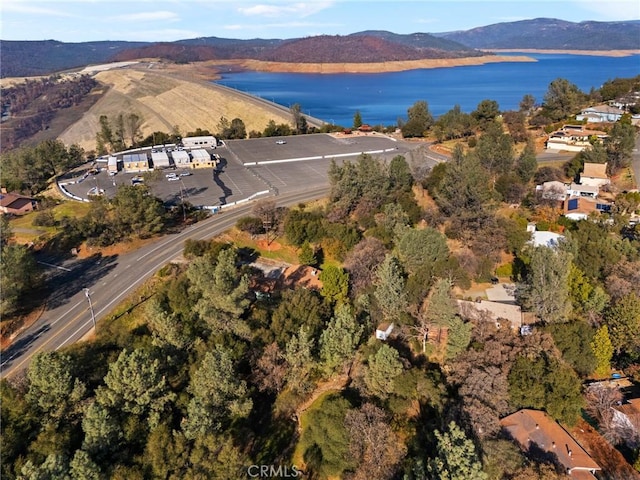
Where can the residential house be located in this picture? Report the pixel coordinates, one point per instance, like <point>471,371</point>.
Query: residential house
<point>583,190</point>
<point>627,417</point>
<point>502,314</point>
<point>16,204</point>
<point>535,430</point>
<point>579,208</point>
<point>384,331</point>
<point>545,239</point>
<point>553,190</point>
<point>573,138</point>
<point>594,174</point>
<point>600,114</point>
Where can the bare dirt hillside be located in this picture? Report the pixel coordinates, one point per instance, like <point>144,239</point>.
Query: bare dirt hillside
<point>167,98</point>
<point>396,66</point>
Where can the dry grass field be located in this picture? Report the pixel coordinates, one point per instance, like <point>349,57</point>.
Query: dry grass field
<point>167,98</point>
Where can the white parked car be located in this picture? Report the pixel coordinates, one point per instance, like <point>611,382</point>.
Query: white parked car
<point>186,174</point>
<point>280,142</point>
<point>170,175</point>
<point>173,179</point>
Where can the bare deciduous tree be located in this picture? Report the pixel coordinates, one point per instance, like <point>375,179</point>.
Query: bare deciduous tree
<point>373,443</point>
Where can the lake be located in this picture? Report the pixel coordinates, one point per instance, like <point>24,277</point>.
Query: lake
<point>382,98</point>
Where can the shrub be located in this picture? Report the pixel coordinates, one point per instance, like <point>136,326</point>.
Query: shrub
<point>45,219</point>
<point>505,270</point>
<point>252,225</point>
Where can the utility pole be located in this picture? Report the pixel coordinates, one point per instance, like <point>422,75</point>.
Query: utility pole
<point>93,316</point>
<point>184,211</point>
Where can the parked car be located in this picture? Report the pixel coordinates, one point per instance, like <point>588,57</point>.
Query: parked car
<point>170,175</point>
<point>173,179</point>
<point>280,142</point>
<point>186,174</point>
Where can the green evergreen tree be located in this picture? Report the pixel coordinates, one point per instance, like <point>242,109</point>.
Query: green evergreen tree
<point>383,368</point>
<point>82,467</point>
<point>340,338</point>
<point>546,291</point>
<point>299,356</point>
<point>419,120</point>
<point>545,383</point>
<point>166,328</point>
<point>307,256</point>
<point>562,99</point>
<point>218,395</point>
<point>54,467</point>
<point>456,457</point>
<point>19,274</point>
<point>335,283</point>
<point>223,293</point>
<point>357,119</point>
<point>623,320</point>
<point>53,389</point>
<point>527,164</point>
<point>102,432</point>
<point>458,337</point>
<point>389,292</point>
<point>135,384</point>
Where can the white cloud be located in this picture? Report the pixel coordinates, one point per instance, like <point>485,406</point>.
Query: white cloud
<point>275,10</point>
<point>162,35</point>
<point>611,10</point>
<point>281,25</point>
<point>159,16</point>
<point>22,7</point>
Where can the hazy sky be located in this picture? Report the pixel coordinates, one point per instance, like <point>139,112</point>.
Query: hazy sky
<point>168,20</point>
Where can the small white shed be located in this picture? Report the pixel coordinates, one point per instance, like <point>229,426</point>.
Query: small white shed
<point>383,331</point>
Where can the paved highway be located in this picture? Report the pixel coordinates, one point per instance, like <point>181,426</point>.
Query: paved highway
<point>67,317</point>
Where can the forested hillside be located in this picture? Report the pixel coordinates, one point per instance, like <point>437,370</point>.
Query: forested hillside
<point>30,58</point>
<point>550,34</point>
<point>30,107</point>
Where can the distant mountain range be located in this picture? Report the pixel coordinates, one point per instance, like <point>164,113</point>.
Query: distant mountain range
<point>551,34</point>
<point>27,58</point>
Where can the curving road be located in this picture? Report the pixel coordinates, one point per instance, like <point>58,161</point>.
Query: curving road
<point>67,317</point>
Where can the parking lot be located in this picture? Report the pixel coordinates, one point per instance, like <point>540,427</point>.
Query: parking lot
<point>245,168</point>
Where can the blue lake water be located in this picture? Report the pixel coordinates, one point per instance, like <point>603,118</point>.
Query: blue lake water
<point>383,98</point>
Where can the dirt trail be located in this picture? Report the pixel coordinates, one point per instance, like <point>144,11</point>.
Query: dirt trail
<point>335,384</point>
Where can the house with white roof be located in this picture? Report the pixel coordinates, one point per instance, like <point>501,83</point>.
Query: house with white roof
<point>546,239</point>
<point>573,138</point>
<point>600,114</point>
<point>595,174</point>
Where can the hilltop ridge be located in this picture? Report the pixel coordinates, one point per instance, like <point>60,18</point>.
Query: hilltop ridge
<point>28,58</point>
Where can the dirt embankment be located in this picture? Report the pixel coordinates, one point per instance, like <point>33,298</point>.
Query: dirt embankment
<point>593,53</point>
<point>167,99</point>
<point>398,66</point>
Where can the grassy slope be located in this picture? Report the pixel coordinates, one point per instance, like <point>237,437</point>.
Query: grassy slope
<point>166,99</point>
